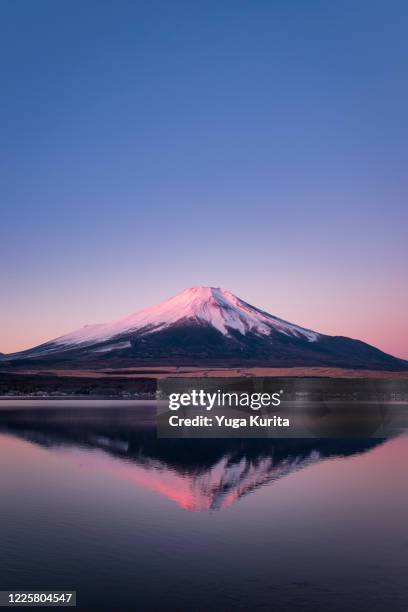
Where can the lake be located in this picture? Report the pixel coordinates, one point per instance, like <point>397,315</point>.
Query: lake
<point>92,501</point>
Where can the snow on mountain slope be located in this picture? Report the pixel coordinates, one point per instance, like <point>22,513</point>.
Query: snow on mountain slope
<point>205,325</point>
<point>214,306</point>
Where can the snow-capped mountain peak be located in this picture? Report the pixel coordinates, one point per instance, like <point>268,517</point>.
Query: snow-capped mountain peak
<point>210,305</point>
<point>205,325</point>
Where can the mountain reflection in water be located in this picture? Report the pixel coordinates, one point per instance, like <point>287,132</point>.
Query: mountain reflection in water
<point>200,474</point>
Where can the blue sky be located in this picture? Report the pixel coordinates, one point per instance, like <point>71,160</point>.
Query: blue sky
<point>151,146</point>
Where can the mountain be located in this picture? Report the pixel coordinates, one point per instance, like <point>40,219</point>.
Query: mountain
<point>204,326</point>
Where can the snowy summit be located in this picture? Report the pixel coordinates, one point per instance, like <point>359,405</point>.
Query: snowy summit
<point>204,326</point>
<point>212,305</point>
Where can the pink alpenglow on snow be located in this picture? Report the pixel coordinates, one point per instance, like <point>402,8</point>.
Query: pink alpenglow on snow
<point>206,325</point>
<point>213,305</point>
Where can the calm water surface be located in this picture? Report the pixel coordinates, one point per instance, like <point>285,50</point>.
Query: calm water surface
<point>91,501</point>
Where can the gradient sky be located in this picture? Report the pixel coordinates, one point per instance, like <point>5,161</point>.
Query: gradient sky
<point>258,146</point>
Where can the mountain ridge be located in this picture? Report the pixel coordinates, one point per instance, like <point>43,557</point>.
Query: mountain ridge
<point>206,325</point>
